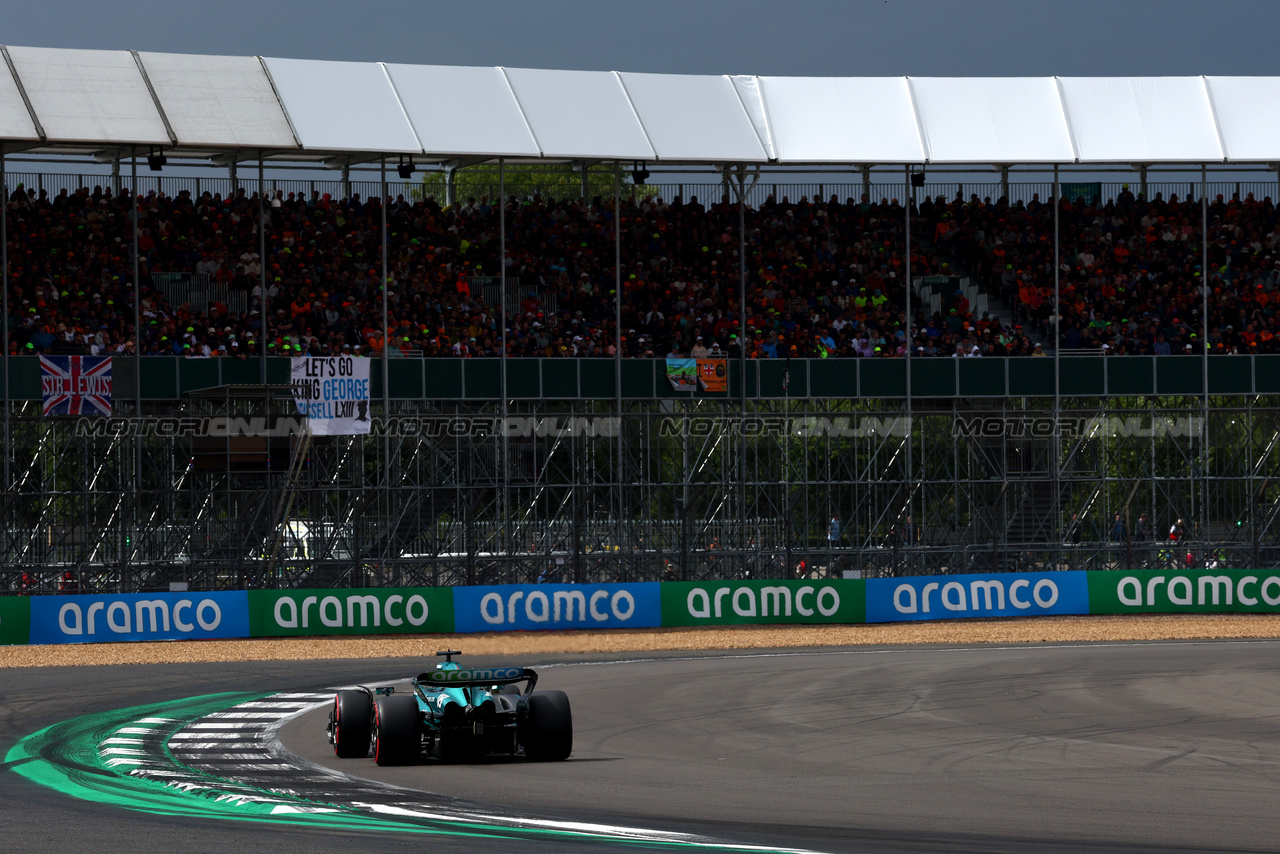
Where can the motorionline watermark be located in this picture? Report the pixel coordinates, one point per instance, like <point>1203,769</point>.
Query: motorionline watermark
<point>425,426</point>
<point>747,426</point>
<point>777,426</point>
<point>1077,427</point>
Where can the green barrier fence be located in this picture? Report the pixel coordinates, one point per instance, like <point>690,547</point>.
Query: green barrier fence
<point>15,620</point>
<point>728,603</point>
<point>398,610</point>
<point>171,378</point>
<point>1156,591</point>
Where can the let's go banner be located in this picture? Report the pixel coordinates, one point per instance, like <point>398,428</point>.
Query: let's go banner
<point>333,392</point>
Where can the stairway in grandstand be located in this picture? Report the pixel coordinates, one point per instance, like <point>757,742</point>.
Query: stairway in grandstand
<point>1032,520</point>
<point>933,293</point>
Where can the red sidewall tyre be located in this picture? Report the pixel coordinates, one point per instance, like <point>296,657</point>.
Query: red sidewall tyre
<point>352,724</point>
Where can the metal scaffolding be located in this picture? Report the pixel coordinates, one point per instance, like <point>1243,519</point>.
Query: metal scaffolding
<point>475,493</point>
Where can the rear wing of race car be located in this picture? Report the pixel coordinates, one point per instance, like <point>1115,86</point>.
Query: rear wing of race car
<point>478,677</point>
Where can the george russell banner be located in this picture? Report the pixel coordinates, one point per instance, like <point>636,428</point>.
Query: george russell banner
<point>333,392</point>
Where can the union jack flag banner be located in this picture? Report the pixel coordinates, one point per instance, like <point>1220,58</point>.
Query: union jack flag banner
<point>76,385</point>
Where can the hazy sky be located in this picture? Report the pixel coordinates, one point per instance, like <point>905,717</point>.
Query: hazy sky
<point>800,37</point>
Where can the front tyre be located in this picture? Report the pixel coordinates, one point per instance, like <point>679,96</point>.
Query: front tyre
<point>396,740</point>
<point>352,723</point>
<point>548,727</point>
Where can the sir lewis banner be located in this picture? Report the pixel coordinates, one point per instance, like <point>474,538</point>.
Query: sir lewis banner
<point>333,392</point>
<point>76,385</point>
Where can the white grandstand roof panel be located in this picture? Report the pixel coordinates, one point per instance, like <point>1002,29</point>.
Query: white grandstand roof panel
<point>748,89</point>
<point>580,114</point>
<point>462,111</point>
<point>15,121</point>
<point>218,101</point>
<point>992,120</point>
<point>856,120</point>
<point>1140,119</point>
<point>1248,120</point>
<point>342,106</point>
<point>693,117</point>
<point>89,96</point>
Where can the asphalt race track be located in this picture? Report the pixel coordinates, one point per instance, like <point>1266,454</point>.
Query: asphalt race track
<point>1100,747</point>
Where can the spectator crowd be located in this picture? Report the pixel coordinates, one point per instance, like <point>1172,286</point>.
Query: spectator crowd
<point>824,278</point>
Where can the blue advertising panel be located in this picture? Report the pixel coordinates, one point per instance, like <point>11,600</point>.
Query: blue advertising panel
<point>139,616</point>
<point>1000,594</point>
<point>557,606</point>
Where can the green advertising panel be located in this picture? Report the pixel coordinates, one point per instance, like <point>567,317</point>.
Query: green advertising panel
<point>396,610</point>
<point>728,603</point>
<point>15,620</point>
<point>1158,591</point>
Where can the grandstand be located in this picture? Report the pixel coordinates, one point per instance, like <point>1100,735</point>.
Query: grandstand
<point>875,333</point>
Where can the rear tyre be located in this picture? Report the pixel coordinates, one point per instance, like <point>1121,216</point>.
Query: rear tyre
<point>548,729</point>
<point>352,723</point>
<point>396,740</point>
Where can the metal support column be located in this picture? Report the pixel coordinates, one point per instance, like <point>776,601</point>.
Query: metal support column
<point>505,466</point>
<point>618,478</point>
<point>263,313</point>
<point>1056,319</point>
<point>346,181</point>
<point>909,197</point>
<point>386,333</point>
<point>1204,342</point>
<point>137,290</point>
<point>386,342</point>
<point>4,313</point>
<point>450,186</point>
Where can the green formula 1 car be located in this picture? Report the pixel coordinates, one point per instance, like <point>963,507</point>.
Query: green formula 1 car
<point>454,714</point>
